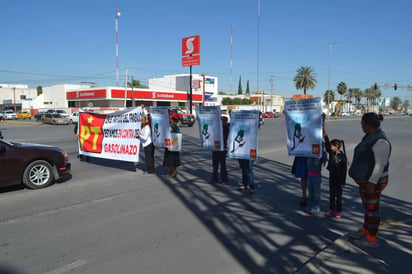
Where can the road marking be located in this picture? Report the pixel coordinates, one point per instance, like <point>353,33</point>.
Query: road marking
<point>68,267</point>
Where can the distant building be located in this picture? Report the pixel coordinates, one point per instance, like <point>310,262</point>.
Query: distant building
<point>16,97</point>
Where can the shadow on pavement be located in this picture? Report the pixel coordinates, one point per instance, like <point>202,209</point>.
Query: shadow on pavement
<point>268,232</point>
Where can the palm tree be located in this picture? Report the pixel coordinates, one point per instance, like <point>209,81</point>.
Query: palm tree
<point>329,96</point>
<point>349,95</point>
<point>342,89</point>
<point>305,79</point>
<point>371,94</point>
<point>357,94</point>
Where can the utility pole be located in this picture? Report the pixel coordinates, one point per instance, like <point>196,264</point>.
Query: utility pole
<point>330,69</point>
<point>133,103</point>
<point>14,101</point>
<point>271,92</point>
<point>258,40</point>
<point>125,89</point>
<point>231,57</point>
<point>116,19</point>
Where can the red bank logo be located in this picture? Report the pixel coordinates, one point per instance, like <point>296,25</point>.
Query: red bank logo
<point>191,45</point>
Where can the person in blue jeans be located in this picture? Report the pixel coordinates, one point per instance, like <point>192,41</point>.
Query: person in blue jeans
<point>248,179</point>
<point>314,166</point>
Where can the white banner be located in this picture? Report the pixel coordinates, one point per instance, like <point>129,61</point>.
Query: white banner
<point>304,127</point>
<point>110,136</point>
<point>210,127</point>
<point>160,125</point>
<point>243,135</point>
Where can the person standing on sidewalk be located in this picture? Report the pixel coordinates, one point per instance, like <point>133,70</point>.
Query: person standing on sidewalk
<point>219,157</point>
<point>337,166</point>
<point>248,178</point>
<point>369,169</point>
<point>171,159</point>
<point>148,147</point>
<point>314,166</point>
<point>300,170</point>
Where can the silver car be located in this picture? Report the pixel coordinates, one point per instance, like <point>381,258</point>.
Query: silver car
<point>55,119</point>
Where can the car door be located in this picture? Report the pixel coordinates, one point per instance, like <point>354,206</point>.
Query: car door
<point>9,165</point>
<point>47,118</point>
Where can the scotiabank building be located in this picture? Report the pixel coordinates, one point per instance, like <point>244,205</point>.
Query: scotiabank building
<point>116,97</point>
<point>120,97</point>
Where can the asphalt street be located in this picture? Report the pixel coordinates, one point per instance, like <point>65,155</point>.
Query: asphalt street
<point>111,217</point>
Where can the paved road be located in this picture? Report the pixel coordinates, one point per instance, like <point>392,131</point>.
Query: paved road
<point>112,218</point>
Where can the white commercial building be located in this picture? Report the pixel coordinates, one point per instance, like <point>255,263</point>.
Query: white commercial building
<point>16,97</point>
<point>201,84</point>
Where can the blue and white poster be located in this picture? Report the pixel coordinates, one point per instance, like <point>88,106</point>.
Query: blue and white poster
<point>160,126</point>
<point>210,127</point>
<point>304,127</point>
<point>243,135</point>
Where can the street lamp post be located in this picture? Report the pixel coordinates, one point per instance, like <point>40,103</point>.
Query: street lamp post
<point>330,68</point>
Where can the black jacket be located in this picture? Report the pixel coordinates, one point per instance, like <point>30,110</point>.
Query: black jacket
<point>337,165</point>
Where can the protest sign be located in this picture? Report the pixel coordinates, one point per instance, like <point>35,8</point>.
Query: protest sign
<point>210,127</point>
<point>160,125</point>
<point>110,136</point>
<point>303,120</point>
<point>243,136</point>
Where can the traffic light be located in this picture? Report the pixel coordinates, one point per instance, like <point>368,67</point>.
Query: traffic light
<point>376,86</point>
<point>395,87</point>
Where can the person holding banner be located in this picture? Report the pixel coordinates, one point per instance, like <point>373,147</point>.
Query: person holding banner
<point>337,166</point>
<point>171,159</point>
<point>145,137</point>
<point>219,157</point>
<point>314,165</point>
<point>300,170</point>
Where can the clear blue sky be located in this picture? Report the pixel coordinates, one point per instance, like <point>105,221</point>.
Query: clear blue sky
<point>47,42</point>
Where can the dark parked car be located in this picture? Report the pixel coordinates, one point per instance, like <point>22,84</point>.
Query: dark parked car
<point>34,165</point>
<point>39,115</point>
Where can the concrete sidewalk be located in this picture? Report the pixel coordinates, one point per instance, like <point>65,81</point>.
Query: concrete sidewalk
<point>392,256</point>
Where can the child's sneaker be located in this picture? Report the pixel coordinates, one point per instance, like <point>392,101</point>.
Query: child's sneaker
<point>330,213</point>
<point>242,188</point>
<point>338,215</point>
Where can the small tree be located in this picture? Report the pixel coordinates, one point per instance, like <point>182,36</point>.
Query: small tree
<point>39,90</point>
<point>136,84</point>
<point>239,89</point>
<point>396,102</point>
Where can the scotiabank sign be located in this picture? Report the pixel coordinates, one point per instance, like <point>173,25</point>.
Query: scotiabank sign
<point>85,94</point>
<point>159,95</point>
<point>191,51</point>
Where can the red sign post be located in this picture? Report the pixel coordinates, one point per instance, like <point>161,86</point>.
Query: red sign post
<point>191,57</point>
